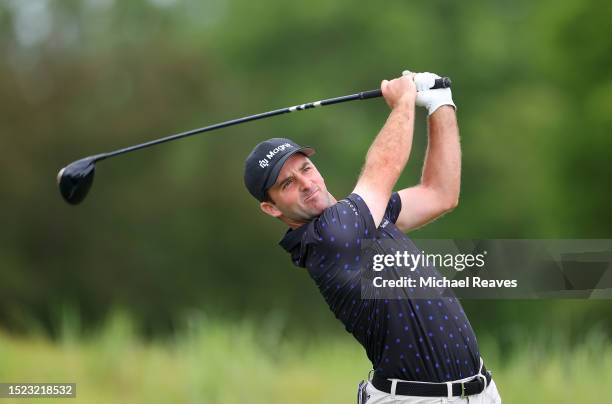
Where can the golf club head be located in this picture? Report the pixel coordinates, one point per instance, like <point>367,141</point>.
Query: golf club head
<point>75,179</point>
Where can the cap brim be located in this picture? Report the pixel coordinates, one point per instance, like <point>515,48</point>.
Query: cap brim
<point>307,151</point>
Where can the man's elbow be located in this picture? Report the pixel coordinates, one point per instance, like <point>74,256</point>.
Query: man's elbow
<point>449,203</point>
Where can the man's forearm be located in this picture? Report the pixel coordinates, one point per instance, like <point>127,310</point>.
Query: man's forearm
<point>388,154</point>
<point>389,151</point>
<point>442,166</point>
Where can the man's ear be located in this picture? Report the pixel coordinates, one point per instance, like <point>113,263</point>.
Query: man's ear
<point>270,209</point>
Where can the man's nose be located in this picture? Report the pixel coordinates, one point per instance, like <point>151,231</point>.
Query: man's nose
<point>305,183</point>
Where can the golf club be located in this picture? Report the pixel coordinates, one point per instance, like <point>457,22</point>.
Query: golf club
<point>75,179</point>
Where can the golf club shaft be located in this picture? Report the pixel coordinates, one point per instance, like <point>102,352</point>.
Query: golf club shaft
<point>440,83</point>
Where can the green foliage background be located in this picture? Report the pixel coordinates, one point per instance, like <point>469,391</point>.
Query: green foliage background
<point>171,230</point>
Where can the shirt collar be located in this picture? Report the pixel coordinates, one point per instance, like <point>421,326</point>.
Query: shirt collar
<point>292,238</point>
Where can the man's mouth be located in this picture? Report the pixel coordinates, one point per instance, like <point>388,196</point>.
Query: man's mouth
<point>310,195</point>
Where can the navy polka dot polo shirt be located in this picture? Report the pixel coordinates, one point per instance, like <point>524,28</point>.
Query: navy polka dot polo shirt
<point>428,340</point>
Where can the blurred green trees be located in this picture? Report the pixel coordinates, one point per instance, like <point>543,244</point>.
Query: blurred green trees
<point>172,228</point>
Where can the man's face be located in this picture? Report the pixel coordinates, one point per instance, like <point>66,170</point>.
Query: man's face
<point>299,194</point>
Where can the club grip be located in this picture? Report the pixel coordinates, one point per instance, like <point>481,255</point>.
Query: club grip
<point>370,94</point>
<point>442,82</point>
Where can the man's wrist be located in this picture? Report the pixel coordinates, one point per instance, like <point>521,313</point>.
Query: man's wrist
<point>442,108</point>
<point>445,115</point>
<point>404,104</point>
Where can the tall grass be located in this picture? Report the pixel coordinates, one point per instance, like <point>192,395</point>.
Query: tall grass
<point>218,362</point>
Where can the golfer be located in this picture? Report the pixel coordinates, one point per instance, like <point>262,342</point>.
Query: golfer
<point>422,350</point>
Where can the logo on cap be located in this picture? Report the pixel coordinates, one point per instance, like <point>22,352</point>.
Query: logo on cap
<point>277,149</point>
<point>263,163</point>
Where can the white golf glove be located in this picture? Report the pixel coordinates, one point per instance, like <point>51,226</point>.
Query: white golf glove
<point>430,99</point>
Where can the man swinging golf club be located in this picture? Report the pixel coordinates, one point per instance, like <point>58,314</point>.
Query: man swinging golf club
<point>422,350</point>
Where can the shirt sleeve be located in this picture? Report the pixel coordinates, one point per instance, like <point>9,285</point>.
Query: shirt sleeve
<point>339,232</point>
<point>350,220</point>
<point>394,207</point>
<point>343,223</point>
<point>334,239</point>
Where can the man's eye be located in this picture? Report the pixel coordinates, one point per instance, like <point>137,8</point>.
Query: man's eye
<point>306,168</point>
<point>286,184</point>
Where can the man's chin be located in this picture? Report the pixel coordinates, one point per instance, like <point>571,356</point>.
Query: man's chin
<point>317,208</point>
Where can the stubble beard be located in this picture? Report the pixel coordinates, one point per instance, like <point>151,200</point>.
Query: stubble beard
<point>306,215</point>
